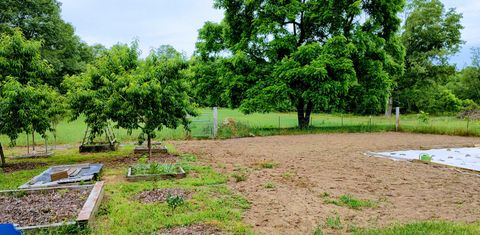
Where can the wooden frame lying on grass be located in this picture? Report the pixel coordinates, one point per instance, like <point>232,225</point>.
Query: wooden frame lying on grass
<point>155,149</point>
<point>85,216</point>
<point>133,178</point>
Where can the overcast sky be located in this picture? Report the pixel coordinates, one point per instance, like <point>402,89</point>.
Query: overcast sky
<point>176,22</point>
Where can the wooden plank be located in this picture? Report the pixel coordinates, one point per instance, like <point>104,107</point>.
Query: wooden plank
<point>58,175</point>
<point>87,214</point>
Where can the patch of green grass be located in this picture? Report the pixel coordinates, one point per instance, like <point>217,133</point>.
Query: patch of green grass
<point>334,222</point>
<point>13,180</point>
<point>350,201</point>
<point>211,203</point>
<point>264,124</point>
<point>425,228</point>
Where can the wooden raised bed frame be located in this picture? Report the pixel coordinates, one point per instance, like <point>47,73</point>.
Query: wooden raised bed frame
<point>87,213</point>
<point>96,148</point>
<point>134,178</point>
<point>155,149</point>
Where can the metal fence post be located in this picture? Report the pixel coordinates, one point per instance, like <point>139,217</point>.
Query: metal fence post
<point>397,118</point>
<point>215,122</point>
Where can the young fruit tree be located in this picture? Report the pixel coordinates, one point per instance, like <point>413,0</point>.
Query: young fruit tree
<point>23,101</point>
<point>25,109</point>
<point>152,97</point>
<point>89,92</point>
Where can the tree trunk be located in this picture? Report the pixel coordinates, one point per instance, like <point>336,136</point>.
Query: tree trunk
<point>33,141</point>
<point>2,155</point>
<point>303,113</point>
<point>149,145</point>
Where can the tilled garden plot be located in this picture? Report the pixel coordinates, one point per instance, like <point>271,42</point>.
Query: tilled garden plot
<point>288,196</point>
<point>42,207</point>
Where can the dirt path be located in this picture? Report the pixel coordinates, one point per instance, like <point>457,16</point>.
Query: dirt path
<point>311,165</point>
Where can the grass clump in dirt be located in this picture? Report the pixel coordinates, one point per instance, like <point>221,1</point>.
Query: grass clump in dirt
<point>334,222</point>
<point>269,185</point>
<point>266,164</point>
<point>350,201</point>
<point>239,176</point>
<point>426,227</point>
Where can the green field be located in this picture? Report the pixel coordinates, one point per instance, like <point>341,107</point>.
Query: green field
<point>275,123</point>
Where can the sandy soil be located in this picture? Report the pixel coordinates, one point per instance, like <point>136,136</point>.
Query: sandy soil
<point>309,166</point>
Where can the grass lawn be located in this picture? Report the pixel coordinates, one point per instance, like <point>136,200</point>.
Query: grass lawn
<point>263,124</point>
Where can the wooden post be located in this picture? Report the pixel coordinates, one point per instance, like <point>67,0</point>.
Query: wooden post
<point>46,145</point>
<point>215,122</point>
<point>2,155</point>
<point>33,140</point>
<point>28,145</point>
<point>397,118</point>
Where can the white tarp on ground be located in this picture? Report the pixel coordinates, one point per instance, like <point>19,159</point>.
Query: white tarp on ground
<point>468,158</point>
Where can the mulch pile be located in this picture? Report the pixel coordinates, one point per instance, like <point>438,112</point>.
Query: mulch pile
<point>161,194</point>
<point>195,229</point>
<point>40,208</point>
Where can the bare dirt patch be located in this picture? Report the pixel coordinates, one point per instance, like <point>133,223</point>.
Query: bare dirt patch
<point>42,207</point>
<point>196,229</point>
<point>308,166</point>
<point>161,194</point>
<point>21,166</point>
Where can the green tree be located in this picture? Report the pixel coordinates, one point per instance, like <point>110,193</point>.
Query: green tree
<point>466,84</point>
<point>40,20</point>
<point>152,97</point>
<point>431,35</point>
<point>26,108</point>
<point>279,49</point>
<point>23,104</point>
<point>88,93</point>
<point>21,59</point>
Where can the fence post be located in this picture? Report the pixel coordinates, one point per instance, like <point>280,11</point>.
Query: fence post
<point>397,118</point>
<point>215,122</point>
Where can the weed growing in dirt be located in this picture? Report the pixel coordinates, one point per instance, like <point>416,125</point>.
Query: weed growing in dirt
<point>351,202</point>
<point>268,165</point>
<point>287,176</point>
<point>269,185</point>
<point>239,176</point>
<point>334,222</point>
<point>318,231</point>
<point>175,201</point>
